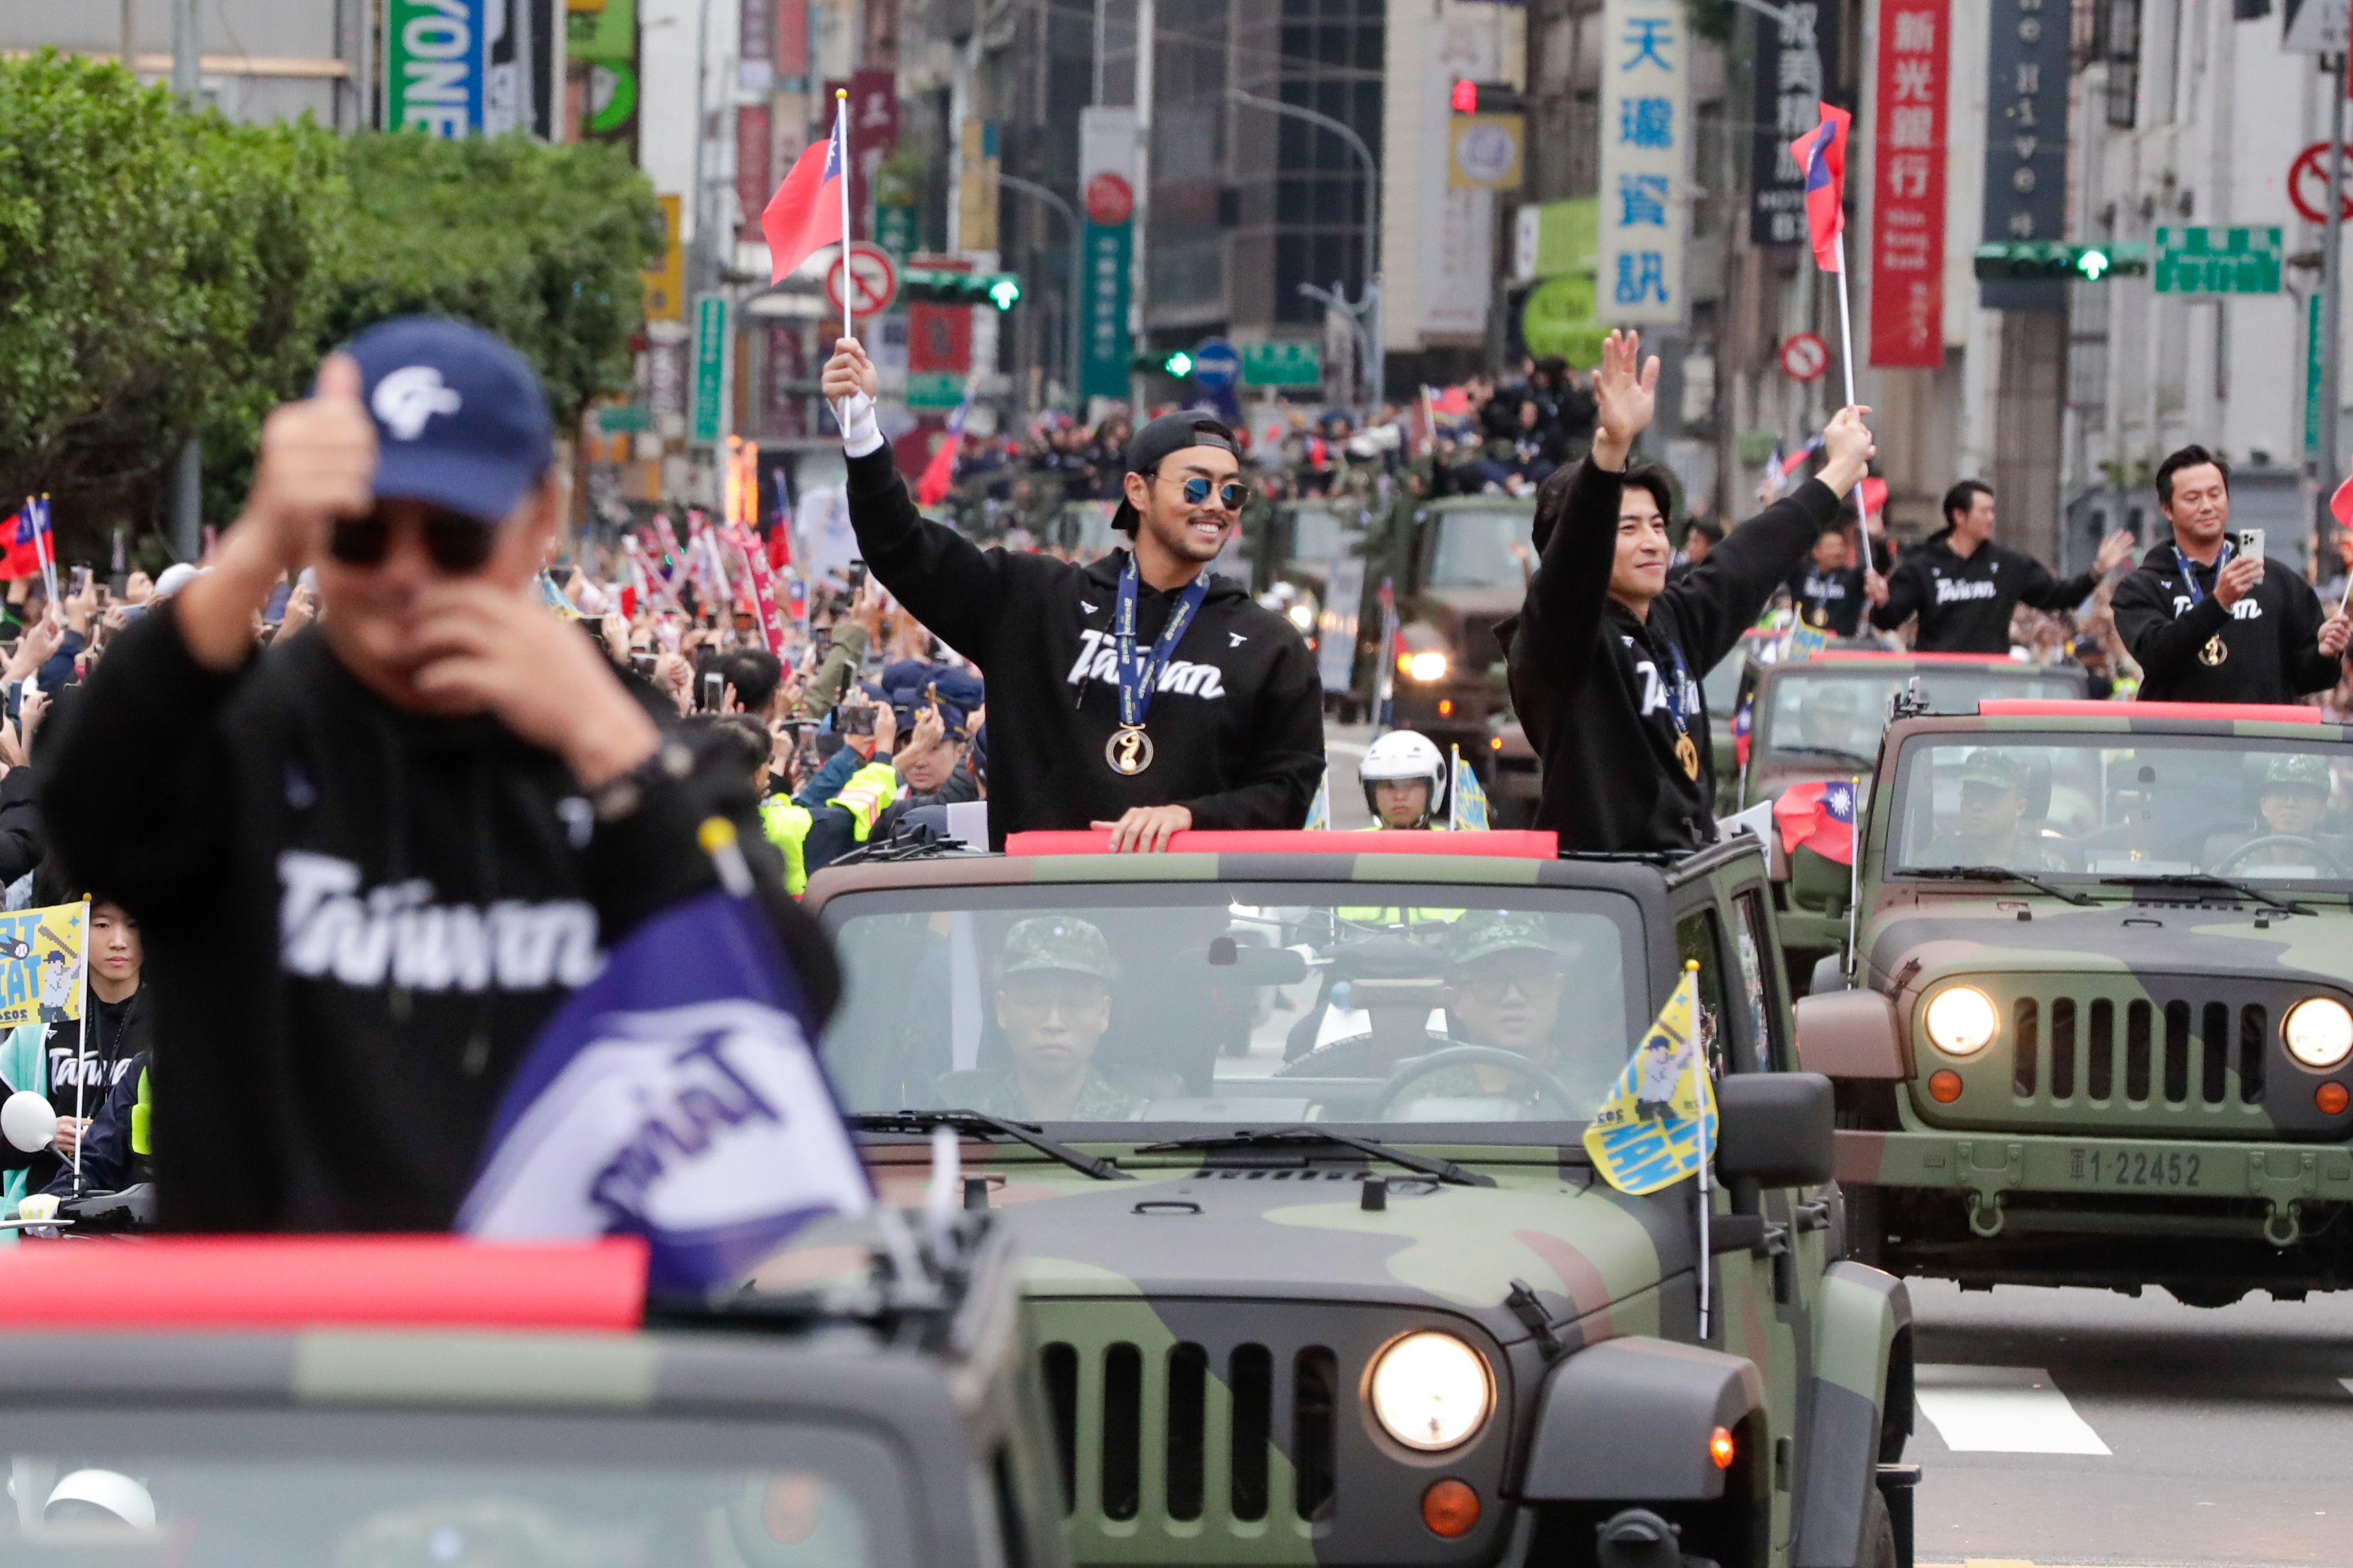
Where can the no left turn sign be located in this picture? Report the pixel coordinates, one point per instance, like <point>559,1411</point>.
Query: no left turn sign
<point>1804,357</point>
<point>2308,182</point>
<point>877,279</point>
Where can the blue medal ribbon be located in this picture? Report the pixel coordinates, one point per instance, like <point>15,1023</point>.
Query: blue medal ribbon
<point>1139,674</point>
<point>2189,572</point>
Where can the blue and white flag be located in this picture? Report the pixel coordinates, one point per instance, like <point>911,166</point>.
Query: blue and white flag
<point>1319,810</point>
<point>1466,800</point>
<point>677,1096</point>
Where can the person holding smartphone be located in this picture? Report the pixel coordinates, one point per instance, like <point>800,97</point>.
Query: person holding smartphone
<point>2207,617</point>
<point>368,864</point>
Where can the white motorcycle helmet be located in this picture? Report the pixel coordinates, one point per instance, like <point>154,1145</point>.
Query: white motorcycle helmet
<point>1403,754</point>
<point>100,1497</point>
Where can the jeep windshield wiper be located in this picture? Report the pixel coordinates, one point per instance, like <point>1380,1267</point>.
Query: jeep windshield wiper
<point>1855,760</point>
<point>1095,1165</point>
<point>2200,880</point>
<point>1427,1165</point>
<point>1997,874</point>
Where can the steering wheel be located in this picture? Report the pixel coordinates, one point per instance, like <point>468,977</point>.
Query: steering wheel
<point>1414,1068</point>
<point>2319,850</point>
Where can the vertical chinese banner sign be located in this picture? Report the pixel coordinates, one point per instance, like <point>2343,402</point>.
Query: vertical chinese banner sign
<point>1907,241</point>
<point>1794,58</point>
<point>1645,161</point>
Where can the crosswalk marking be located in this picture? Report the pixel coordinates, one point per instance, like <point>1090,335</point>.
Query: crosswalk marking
<point>2002,1410</point>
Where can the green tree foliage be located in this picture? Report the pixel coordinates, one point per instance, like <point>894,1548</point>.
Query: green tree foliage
<point>165,273</point>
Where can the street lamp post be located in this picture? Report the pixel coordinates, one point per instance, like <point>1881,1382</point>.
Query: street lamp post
<point>1367,309</point>
<point>1036,192</point>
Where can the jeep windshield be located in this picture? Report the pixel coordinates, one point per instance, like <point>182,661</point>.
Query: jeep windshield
<point>2083,809</point>
<point>1821,713</point>
<point>1267,1006</point>
<point>1475,547</point>
<point>208,1487</point>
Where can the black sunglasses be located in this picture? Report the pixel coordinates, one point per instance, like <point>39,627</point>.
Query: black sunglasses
<point>1231,495</point>
<point>455,543</point>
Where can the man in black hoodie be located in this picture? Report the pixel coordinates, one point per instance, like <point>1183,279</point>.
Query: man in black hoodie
<point>368,864</point>
<point>1140,693</point>
<point>1963,585</point>
<point>2206,627</point>
<point>1605,655</point>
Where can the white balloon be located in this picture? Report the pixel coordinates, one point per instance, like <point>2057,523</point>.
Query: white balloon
<point>28,1122</point>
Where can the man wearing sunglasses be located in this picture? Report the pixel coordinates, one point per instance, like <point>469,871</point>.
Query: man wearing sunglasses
<point>378,855</point>
<point>1140,692</point>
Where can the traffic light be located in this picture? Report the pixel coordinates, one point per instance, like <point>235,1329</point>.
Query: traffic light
<point>1468,97</point>
<point>941,287</point>
<point>1174,364</point>
<point>1177,364</point>
<point>2054,260</point>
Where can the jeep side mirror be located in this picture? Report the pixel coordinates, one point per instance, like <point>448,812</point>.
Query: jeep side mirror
<point>1850,1034</point>
<point>28,1122</point>
<point>1776,1128</point>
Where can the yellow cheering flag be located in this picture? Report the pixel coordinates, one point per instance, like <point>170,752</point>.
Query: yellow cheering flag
<point>1658,1126</point>
<point>41,957</point>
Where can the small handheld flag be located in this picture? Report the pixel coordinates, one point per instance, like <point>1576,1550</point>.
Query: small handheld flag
<point>806,213</point>
<point>1821,818</point>
<point>1319,810</point>
<point>1466,800</point>
<point>939,472</point>
<point>1659,1123</point>
<point>677,1096</point>
<point>1805,641</point>
<point>1821,156</point>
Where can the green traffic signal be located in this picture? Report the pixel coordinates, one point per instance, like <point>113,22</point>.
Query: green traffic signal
<point>2054,261</point>
<point>943,287</point>
<point>2091,263</point>
<point>1179,365</point>
<point>1004,290</point>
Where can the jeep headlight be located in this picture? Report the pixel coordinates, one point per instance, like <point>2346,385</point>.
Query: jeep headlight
<point>1961,1021</point>
<point>1430,1391</point>
<point>1428,667</point>
<point>2318,1032</point>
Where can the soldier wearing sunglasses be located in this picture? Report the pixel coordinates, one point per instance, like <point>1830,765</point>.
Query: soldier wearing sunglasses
<point>385,850</point>
<point>1141,692</point>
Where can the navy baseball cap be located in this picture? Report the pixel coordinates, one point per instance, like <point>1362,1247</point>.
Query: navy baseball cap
<point>461,421</point>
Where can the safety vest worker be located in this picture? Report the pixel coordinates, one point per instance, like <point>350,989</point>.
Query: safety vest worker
<point>865,795</point>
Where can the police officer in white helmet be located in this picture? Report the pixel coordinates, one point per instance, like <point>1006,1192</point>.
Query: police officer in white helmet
<point>1405,782</point>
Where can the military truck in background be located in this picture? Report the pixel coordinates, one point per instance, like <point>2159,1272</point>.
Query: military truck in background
<point>2102,1030</point>
<point>1468,568</point>
<point>1287,1127</point>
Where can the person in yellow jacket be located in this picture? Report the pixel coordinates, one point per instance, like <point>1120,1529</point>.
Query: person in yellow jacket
<point>866,796</point>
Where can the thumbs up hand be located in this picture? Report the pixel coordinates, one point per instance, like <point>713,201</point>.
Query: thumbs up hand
<point>317,463</point>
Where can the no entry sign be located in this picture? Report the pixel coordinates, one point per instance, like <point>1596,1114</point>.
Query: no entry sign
<point>876,276</point>
<point>2308,182</point>
<point>1804,357</point>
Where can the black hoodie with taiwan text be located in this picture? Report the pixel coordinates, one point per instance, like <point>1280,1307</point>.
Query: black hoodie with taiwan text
<point>356,919</point>
<point>2193,647</point>
<point>1236,721</point>
<point>1964,602</point>
<point>1594,686</point>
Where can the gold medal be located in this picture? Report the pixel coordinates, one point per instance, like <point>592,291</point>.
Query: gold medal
<point>1129,751</point>
<point>2215,651</point>
<point>1687,753</point>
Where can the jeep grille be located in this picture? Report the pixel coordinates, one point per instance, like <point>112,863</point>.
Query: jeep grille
<point>1190,1430</point>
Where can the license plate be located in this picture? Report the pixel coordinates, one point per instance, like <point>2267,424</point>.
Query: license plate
<point>2141,1170</point>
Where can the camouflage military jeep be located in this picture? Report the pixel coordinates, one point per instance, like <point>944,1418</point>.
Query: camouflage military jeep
<point>2103,1035</point>
<point>1288,1127</point>
<point>428,1403</point>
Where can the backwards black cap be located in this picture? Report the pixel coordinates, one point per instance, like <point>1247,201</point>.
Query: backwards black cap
<point>1158,438</point>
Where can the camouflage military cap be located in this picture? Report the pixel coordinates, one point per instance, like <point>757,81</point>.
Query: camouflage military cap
<point>1062,942</point>
<point>1478,935</point>
<point>2296,769</point>
<point>1999,769</point>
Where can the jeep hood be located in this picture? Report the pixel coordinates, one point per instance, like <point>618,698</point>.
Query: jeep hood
<point>2113,937</point>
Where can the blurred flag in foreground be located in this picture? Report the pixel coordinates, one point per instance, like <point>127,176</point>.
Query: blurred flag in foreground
<point>25,539</point>
<point>1805,641</point>
<point>1820,155</point>
<point>1819,816</point>
<point>805,214</point>
<point>677,1096</point>
<point>1658,1125</point>
<point>1319,810</point>
<point>1466,802</point>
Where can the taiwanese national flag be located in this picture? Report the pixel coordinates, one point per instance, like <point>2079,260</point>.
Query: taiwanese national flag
<point>1742,722</point>
<point>2340,505</point>
<point>1821,156</point>
<point>1820,816</point>
<point>806,212</point>
<point>24,541</point>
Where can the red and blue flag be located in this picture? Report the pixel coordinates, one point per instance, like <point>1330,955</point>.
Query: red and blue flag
<point>1819,816</point>
<point>805,214</point>
<point>25,537</point>
<point>1743,721</point>
<point>1821,156</point>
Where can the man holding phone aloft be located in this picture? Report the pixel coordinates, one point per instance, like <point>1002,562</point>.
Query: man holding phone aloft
<point>2207,617</point>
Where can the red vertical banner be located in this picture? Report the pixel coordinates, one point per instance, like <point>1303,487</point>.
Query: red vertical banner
<point>873,136</point>
<point>792,58</point>
<point>1907,240</point>
<point>754,178</point>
